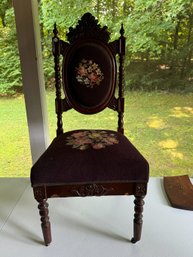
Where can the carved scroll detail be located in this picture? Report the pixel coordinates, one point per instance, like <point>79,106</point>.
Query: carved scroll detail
<point>91,190</point>
<point>65,105</point>
<point>114,46</point>
<point>114,104</point>
<point>88,27</point>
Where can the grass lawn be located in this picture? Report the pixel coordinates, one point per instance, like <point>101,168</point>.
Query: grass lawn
<point>159,124</point>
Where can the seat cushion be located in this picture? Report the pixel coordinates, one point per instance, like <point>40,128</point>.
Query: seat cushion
<point>83,156</point>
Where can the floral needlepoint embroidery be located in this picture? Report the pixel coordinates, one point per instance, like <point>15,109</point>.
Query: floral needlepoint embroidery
<point>89,73</point>
<point>94,139</point>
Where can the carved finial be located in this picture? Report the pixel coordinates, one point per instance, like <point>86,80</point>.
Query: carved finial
<point>122,31</point>
<point>55,31</point>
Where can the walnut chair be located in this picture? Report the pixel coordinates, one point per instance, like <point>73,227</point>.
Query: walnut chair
<point>88,162</point>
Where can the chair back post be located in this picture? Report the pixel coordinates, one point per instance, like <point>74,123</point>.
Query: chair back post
<point>121,81</point>
<point>58,100</point>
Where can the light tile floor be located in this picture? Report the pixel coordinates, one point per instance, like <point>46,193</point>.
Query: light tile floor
<point>92,227</point>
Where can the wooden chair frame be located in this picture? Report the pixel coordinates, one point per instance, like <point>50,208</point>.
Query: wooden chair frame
<point>138,189</point>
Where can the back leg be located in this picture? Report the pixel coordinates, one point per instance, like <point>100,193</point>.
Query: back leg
<point>45,223</point>
<point>138,218</point>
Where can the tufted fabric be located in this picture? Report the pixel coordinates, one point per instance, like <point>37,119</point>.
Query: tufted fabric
<point>111,160</point>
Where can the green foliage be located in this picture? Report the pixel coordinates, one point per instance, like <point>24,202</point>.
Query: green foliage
<point>4,6</point>
<point>155,30</point>
<point>10,80</point>
<point>151,75</point>
<point>159,34</point>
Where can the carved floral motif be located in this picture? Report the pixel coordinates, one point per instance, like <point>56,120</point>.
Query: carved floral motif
<point>39,193</point>
<point>91,190</point>
<point>141,189</point>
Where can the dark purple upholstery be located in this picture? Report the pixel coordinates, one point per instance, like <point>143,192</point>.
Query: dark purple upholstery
<point>63,164</point>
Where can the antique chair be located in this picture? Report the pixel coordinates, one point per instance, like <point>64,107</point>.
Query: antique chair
<point>89,162</point>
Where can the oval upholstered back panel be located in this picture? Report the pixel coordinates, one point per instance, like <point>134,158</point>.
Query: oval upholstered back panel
<point>89,75</point>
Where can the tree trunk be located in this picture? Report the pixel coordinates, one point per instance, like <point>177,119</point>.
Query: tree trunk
<point>113,10</point>
<point>98,9</point>
<point>187,59</point>
<point>189,39</point>
<point>175,44</point>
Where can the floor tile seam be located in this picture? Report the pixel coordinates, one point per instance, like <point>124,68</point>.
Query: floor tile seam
<point>11,211</point>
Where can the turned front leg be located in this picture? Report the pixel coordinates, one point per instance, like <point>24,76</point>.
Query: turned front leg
<point>45,223</point>
<point>138,218</point>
